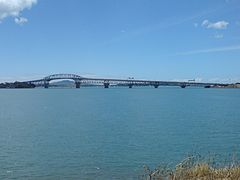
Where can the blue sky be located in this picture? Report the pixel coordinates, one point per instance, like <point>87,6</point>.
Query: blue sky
<point>145,39</point>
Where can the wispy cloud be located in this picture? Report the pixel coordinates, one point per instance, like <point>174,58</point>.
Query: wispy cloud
<point>216,25</point>
<point>211,50</point>
<point>164,24</point>
<point>218,36</point>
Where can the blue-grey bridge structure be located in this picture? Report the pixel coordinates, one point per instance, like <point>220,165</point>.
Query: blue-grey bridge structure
<point>106,82</point>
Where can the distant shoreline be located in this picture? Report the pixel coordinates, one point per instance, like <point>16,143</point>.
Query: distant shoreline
<point>16,85</point>
<point>236,85</point>
<point>25,85</point>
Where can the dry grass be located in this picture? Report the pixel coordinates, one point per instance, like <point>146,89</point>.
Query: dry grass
<point>189,169</point>
<point>206,172</point>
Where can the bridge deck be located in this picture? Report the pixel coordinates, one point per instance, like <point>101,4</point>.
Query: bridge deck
<point>109,81</point>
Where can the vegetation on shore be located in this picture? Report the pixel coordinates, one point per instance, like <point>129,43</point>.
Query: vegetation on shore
<point>17,85</point>
<point>192,169</point>
<point>236,85</point>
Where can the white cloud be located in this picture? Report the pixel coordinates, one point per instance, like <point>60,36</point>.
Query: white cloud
<point>13,8</point>
<point>205,23</point>
<point>216,25</point>
<point>20,20</point>
<point>211,50</point>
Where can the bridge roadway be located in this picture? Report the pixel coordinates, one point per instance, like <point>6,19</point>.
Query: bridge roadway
<point>106,82</point>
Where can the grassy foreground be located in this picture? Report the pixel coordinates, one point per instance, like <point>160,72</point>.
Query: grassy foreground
<point>189,169</point>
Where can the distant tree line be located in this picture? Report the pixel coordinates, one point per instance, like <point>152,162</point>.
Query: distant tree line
<point>17,85</point>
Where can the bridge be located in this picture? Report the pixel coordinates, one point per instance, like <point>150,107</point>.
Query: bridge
<point>107,82</point>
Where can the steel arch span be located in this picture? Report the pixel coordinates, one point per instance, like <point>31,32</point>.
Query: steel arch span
<point>63,76</point>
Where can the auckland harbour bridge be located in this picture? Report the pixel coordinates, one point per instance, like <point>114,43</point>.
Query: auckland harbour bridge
<point>107,82</point>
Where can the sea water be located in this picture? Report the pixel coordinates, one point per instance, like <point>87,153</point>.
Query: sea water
<point>97,133</point>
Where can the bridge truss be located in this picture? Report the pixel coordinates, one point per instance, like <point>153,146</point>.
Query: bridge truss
<point>106,82</point>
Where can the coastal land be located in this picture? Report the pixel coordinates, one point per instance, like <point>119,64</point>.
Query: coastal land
<point>16,85</point>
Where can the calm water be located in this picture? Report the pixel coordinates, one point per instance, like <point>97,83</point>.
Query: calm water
<point>95,133</point>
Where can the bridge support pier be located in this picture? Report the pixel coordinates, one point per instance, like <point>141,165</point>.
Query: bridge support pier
<point>106,84</point>
<point>155,84</point>
<point>183,85</point>
<point>46,84</point>
<point>130,86</point>
<point>78,84</point>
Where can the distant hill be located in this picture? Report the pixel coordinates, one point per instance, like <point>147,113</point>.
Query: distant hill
<point>68,84</point>
<point>63,83</point>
